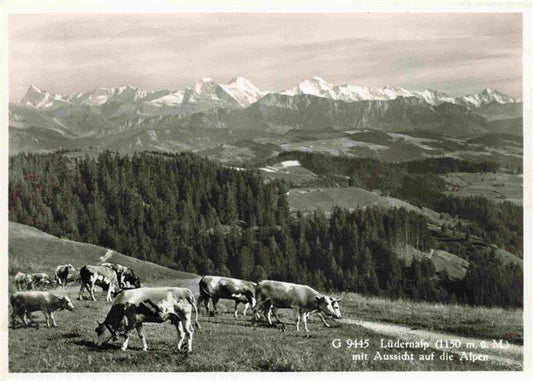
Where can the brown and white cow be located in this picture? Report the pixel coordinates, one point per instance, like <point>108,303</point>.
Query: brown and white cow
<point>303,300</point>
<point>134,307</point>
<point>62,274</point>
<point>102,276</point>
<point>125,276</point>
<point>23,281</point>
<point>217,287</point>
<point>40,280</point>
<point>25,302</point>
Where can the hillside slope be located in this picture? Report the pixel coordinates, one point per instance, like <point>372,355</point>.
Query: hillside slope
<point>31,250</point>
<point>310,199</point>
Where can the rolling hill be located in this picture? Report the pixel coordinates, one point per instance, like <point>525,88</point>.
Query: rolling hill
<point>31,250</point>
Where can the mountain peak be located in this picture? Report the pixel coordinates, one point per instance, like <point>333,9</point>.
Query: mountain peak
<point>319,79</point>
<point>33,88</point>
<point>239,79</point>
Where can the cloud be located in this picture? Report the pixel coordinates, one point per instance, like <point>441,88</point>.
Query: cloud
<point>458,52</point>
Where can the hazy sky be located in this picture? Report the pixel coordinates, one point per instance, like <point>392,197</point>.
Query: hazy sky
<point>455,53</point>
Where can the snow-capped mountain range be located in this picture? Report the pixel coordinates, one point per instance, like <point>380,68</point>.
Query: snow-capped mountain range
<point>352,93</point>
<point>208,113</point>
<point>238,93</point>
<point>205,93</point>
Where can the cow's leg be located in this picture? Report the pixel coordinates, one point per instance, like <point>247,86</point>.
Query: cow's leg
<point>82,287</point>
<point>126,341</point>
<point>91,291</point>
<point>205,299</point>
<point>236,307</point>
<point>27,314</point>
<point>108,297</point>
<point>323,319</point>
<point>304,318</point>
<point>214,299</point>
<point>296,311</point>
<point>269,314</point>
<point>15,312</point>
<point>181,334</point>
<point>246,305</point>
<point>13,318</point>
<point>190,333</point>
<point>142,336</point>
<point>47,317</point>
<point>52,315</point>
<point>25,318</point>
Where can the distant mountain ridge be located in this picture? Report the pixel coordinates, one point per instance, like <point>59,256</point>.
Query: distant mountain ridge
<point>130,118</point>
<point>241,92</point>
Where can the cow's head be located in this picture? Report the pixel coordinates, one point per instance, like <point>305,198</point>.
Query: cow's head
<point>103,334</point>
<point>329,306</point>
<point>133,280</point>
<point>66,303</point>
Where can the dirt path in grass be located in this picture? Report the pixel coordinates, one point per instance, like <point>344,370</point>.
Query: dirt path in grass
<point>510,354</point>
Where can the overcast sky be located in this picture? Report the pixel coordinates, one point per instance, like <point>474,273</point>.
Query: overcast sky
<point>455,53</point>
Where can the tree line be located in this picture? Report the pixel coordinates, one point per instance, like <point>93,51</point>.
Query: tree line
<point>193,215</point>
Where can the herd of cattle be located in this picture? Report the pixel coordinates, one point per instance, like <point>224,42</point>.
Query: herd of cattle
<point>135,305</point>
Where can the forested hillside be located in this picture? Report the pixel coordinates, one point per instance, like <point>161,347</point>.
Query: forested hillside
<point>419,183</point>
<point>193,215</point>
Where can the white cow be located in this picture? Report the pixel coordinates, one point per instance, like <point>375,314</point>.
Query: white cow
<point>25,302</point>
<point>217,287</point>
<point>303,300</point>
<point>134,307</point>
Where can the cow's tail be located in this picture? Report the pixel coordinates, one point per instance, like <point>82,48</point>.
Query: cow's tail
<point>193,304</point>
<point>203,289</point>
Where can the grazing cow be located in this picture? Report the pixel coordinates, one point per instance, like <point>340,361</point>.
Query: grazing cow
<point>62,274</point>
<point>40,280</point>
<point>134,307</point>
<point>102,276</point>
<point>23,281</point>
<point>217,287</point>
<point>125,275</point>
<point>25,302</point>
<point>303,300</point>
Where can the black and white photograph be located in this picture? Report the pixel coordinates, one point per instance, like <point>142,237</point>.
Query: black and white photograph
<point>266,191</point>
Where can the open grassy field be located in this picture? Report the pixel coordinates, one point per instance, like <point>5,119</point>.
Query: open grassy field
<point>223,344</point>
<point>494,186</point>
<point>226,344</point>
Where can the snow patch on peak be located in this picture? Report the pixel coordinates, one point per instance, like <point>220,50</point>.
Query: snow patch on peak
<point>243,91</point>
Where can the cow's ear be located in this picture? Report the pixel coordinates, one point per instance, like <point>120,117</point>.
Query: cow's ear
<point>318,297</point>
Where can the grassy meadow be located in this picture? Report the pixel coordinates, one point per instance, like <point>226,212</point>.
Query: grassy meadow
<point>223,343</point>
